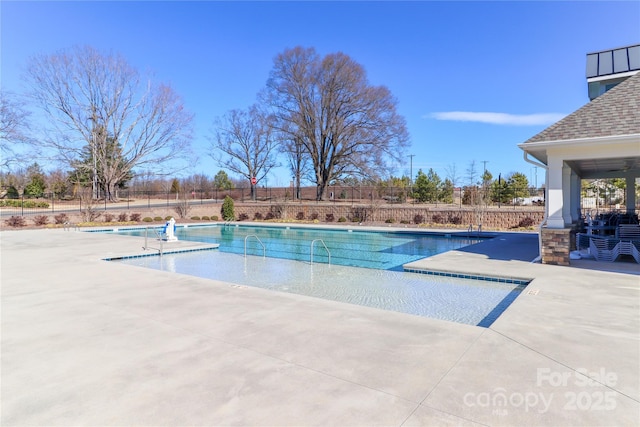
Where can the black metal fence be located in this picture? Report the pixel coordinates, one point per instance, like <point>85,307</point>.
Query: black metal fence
<point>131,200</point>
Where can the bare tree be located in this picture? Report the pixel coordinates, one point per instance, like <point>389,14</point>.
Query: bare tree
<point>243,143</point>
<point>346,126</point>
<point>298,162</point>
<point>100,101</point>
<point>472,173</point>
<point>14,127</point>
<point>452,173</point>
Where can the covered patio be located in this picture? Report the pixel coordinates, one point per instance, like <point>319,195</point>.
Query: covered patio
<point>600,140</point>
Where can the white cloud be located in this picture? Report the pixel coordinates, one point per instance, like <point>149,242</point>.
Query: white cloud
<point>499,118</point>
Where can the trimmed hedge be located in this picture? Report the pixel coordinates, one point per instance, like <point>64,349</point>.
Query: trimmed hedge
<point>19,204</point>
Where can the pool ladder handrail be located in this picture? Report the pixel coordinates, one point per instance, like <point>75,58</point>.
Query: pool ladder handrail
<point>264,250</point>
<point>470,229</point>
<point>158,235</point>
<point>325,247</point>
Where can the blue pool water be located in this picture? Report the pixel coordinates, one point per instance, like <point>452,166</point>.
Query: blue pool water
<point>356,248</point>
<point>365,269</point>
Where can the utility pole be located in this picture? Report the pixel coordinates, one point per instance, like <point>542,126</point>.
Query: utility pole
<point>411,156</point>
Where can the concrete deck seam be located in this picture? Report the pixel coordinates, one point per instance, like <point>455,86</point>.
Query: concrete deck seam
<point>563,364</point>
<point>435,386</point>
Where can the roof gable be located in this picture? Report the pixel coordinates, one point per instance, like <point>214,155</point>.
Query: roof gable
<point>616,112</point>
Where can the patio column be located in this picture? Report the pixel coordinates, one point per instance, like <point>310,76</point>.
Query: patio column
<point>566,194</point>
<point>576,186</point>
<point>631,194</point>
<point>555,197</point>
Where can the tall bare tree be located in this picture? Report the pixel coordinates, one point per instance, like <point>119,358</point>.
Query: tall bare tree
<point>299,164</point>
<point>99,100</point>
<point>14,127</point>
<point>243,143</point>
<point>346,126</point>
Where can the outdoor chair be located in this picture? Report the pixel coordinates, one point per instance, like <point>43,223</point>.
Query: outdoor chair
<point>604,249</point>
<point>628,232</point>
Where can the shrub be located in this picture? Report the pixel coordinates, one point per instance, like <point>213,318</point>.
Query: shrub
<point>158,218</point>
<point>360,214</point>
<point>438,219</point>
<point>330,217</point>
<point>61,218</point>
<point>454,219</point>
<point>300,216</point>
<point>243,217</point>
<point>257,216</point>
<point>314,216</point>
<point>182,209</point>
<point>205,218</point>
<point>404,221</point>
<point>16,221</point>
<point>195,218</point>
<point>135,217</point>
<point>166,218</point>
<point>214,217</point>
<point>418,219</point>
<point>390,220</point>
<point>278,211</point>
<point>108,217</point>
<point>227,210</point>
<point>23,204</point>
<point>526,222</point>
<point>269,216</point>
<point>40,220</point>
<point>90,214</point>
<point>342,219</point>
<point>147,219</point>
<point>122,217</point>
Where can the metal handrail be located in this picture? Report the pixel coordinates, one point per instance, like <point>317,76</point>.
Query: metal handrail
<point>264,251</point>
<point>325,247</point>
<point>146,246</point>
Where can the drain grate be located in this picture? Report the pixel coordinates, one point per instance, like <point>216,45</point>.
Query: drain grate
<point>532,292</point>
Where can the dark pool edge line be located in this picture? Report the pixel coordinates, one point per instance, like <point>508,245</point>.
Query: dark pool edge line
<point>455,233</point>
<point>156,252</point>
<point>500,279</point>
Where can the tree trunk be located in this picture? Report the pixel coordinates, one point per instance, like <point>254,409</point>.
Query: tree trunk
<point>110,193</point>
<point>321,190</point>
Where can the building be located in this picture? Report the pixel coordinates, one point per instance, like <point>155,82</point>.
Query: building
<point>599,140</point>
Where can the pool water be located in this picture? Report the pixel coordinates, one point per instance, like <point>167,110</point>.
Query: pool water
<point>365,268</point>
<point>473,302</point>
<point>356,248</point>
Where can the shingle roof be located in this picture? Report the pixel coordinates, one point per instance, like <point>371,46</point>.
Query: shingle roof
<point>616,112</point>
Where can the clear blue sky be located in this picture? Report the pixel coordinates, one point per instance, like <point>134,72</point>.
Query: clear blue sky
<point>523,60</point>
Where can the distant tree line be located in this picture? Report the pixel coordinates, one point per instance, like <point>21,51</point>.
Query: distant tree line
<point>108,128</point>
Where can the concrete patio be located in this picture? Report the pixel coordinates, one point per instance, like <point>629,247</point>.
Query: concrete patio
<point>88,342</point>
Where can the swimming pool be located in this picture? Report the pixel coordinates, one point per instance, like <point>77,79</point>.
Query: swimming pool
<point>365,269</point>
<point>349,247</point>
<point>474,302</point>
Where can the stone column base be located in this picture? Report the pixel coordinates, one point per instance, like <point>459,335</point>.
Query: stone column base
<point>557,243</point>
